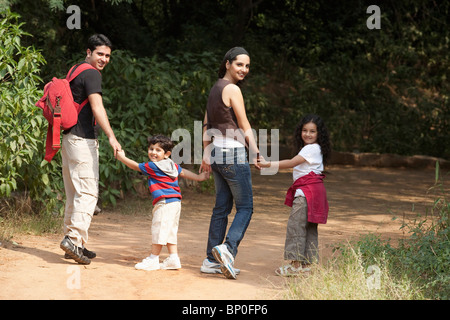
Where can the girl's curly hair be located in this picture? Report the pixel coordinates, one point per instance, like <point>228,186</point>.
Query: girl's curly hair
<point>323,137</point>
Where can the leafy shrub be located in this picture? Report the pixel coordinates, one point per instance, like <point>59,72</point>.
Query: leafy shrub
<point>23,128</point>
<point>147,96</point>
<point>143,96</point>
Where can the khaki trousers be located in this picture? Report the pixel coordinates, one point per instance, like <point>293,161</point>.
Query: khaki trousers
<point>301,236</point>
<point>80,170</point>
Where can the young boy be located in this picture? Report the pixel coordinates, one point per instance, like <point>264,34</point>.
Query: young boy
<point>162,175</point>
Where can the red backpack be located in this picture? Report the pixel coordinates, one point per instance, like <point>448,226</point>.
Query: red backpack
<point>59,108</point>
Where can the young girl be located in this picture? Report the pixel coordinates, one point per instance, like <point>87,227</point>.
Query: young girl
<point>307,196</point>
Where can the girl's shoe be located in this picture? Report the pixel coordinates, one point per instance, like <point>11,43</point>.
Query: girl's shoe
<point>148,264</point>
<point>171,263</point>
<point>290,271</point>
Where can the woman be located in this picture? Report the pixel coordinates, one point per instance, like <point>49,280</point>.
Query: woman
<point>229,132</point>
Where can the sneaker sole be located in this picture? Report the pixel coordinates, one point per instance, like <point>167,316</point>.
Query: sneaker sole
<point>147,269</point>
<point>170,268</point>
<point>74,256</point>
<point>210,270</point>
<point>66,256</point>
<point>226,268</point>
<point>216,270</point>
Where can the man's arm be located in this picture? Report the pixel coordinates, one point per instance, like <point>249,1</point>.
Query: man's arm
<point>96,102</point>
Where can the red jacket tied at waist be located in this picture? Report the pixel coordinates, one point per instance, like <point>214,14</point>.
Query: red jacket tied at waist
<point>315,194</point>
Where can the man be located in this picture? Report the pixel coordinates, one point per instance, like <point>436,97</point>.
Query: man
<point>80,164</point>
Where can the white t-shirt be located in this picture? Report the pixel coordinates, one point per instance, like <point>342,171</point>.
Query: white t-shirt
<point>226,142</point>
<point>314,162</point>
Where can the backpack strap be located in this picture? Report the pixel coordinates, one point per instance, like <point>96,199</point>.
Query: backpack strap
<point>56,124</point>
<point>75,71</point>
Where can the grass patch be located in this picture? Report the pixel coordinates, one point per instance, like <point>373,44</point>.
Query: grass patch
<point>347,277</point>
<point>18,217</point>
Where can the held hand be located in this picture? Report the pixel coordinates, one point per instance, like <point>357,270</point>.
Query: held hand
<point>204,176</point>
<point>115,145</point>
<point>206,165</point>
<point>263,163</point>
<point>120,155</point>
<point>255,161</point>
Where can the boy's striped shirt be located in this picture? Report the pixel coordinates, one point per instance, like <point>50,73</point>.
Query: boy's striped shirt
<point>160,184</point>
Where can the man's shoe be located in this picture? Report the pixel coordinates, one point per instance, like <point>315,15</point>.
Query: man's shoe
<point>73,251</point>
<point>226,260</point>
<point>86,252</point>
<point>97,210</point>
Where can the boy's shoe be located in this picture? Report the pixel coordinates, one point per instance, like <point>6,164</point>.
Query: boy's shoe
<point>171,263</point>
<point>73,251</point>
<point>86,252</point>
<point>226,260</point>
<point>212,267</point>
<point>148,264</point>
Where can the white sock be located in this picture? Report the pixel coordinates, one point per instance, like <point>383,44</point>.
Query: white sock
<point>174,255</point>
<point>152,256</point>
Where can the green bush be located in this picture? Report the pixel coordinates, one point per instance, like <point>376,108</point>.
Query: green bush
<point>143,96</point>
<point>147,96</point>
<point>23,128</point>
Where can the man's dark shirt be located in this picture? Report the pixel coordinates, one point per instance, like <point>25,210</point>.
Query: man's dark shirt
<point>86,83</point>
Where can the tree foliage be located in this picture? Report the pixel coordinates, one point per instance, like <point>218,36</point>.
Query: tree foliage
<point>147,97</point>
<point>22,129</point>
<point>380,90</point>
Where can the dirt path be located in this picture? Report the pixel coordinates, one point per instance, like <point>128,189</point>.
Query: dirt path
<point>360,200</point>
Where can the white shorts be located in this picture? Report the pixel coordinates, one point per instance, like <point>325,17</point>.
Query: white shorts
<point>166,217</point>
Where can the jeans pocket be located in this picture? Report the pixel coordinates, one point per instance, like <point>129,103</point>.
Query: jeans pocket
<point>228,170</point>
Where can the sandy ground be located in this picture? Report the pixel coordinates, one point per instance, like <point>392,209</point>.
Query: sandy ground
<point>361,201</point>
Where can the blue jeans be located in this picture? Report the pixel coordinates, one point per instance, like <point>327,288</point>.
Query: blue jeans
<point>233,181</point>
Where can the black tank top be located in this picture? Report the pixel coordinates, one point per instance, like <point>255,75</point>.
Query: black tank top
<point>219,115</point>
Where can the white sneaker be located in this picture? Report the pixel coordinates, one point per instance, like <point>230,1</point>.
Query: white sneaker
<point>226,260</point>
<point>212,267</point>
<point>148,264</point>
<point>171,263</point>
